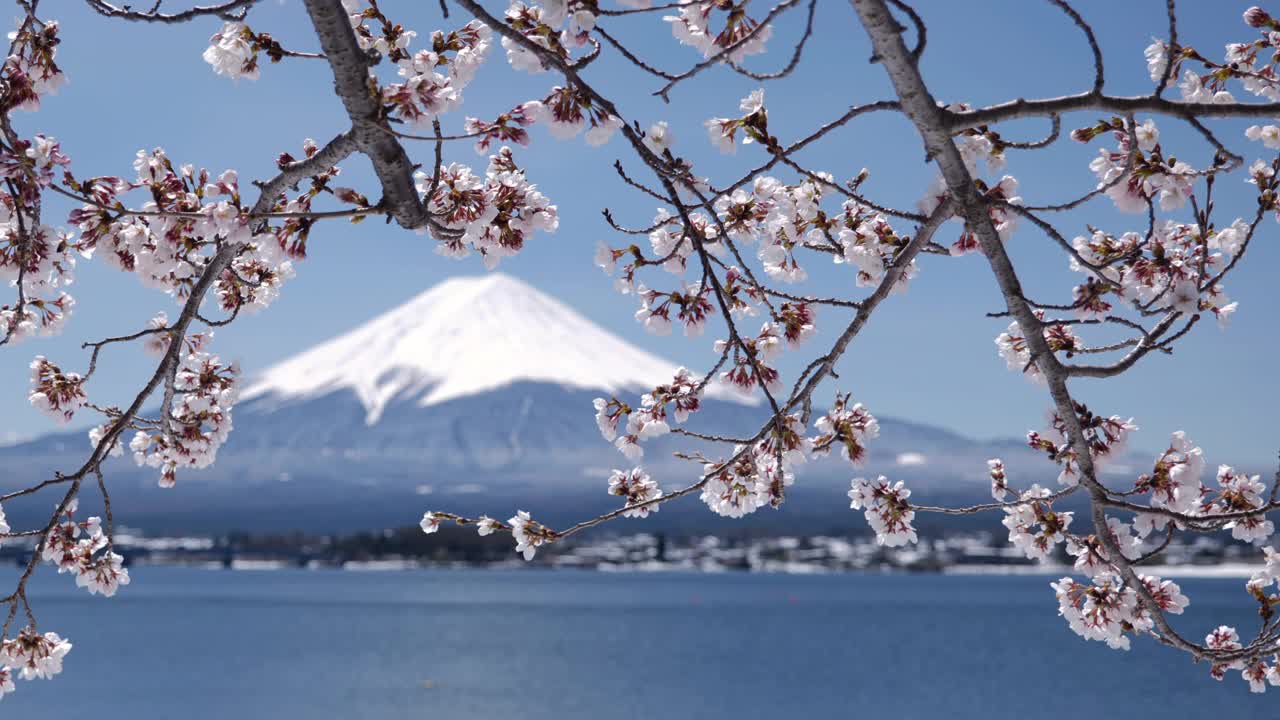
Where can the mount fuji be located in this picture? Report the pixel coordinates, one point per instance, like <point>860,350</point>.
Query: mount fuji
<point>479,390</point>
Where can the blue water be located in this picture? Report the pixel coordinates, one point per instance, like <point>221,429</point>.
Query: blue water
<point>196,644</point>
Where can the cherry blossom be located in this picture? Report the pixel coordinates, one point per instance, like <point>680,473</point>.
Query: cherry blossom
<point>740,37</point>
<point>529,534</point>
<point>999,480</point>
<point>198,419</point>
<point>1239,492</point>
<point>54,393</point>
<point>34,655</point>
<point>495,215</point>
<point>847,427</point>
<point>231,52</point>
<point>637,489</point>
<point>753,123</point>
<point>886,509</point>
<point>430,522</point>
<point>195,236</point>
<point>1034,527</point>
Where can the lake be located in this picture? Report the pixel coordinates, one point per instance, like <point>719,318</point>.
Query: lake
<point>195,644</point>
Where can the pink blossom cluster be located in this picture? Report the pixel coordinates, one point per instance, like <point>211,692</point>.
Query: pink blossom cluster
<point>84,550</point>
<point>886,508</point>
<point>669,401</point>
<point>198,416</point>
<point>494,215</point>
<point>425,92</point>
<point>638,491</point>
<point>740,37</point>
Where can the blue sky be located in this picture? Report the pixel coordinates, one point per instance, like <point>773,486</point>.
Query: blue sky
<point>927,355</point>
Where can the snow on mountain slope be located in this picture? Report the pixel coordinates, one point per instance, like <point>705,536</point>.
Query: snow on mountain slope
<point>465,336</point>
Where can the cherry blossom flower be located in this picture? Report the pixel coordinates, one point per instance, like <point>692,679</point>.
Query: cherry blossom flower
<point>1240,493</point>
<point>104,576</point>
<point>529,534</point>
<point>199,419</point>
<point>608,415</point>
<point>741,486</point>
<point>1224,637</point>
<point>1034,527</point>
<point>886,509</point>
<point>231,52</point>
<point>740,37</point>
<point>34,655</point>
<point>999,481</point>
<point>1268,134</point>
<point>54,393</point>
<point>636,487</point>
<point>659,138</point>
<point>487,525</point>
<point>1100,611</point>
<point>753,123</point>
<point>847,427</point>
<point>1174,483</point>
<point>430,522</point>
<point>496,215</point>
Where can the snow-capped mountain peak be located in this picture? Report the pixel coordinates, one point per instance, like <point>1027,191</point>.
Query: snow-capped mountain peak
<point>465,336</point>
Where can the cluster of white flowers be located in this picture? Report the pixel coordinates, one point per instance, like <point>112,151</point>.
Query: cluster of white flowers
<point>1016,352</point>
<point>556,26</point>
<point>740,37</point>
<point>169,252</point>
<point>691,305</point>
<point>53,392</point>
<point>496,214</point>
<point>567,111</point>
<point>749,369</point>
<point>1106,609</point>
<point>1034,527</point>
<point>507,127</point>
<point>886,509</point>
<point>870,244</point>
<point>1174,482</point>
<point>41,257</point>
<point>1239,492</point>
<point>753,122</point>
<point>1106,437</point>
<point>638,490</point>
<point>425,92</point>
<point>848,427</point>
<point>32,656</point>
<point>529,534</point>
<point>82,549</point>
<point>1148,176</point>
<point>1254,671</point>
<point>1091,555</point>
<point>31,70</point>
<point>674,400</point>
<point>392,39</point>
<point>746,484</point>
<point>759,474</point>
<point>199,419</point>
<point>231,52</point>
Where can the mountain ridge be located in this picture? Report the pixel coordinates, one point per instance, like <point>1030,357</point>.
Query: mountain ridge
<point>465,336</point>
<point>481,390</point>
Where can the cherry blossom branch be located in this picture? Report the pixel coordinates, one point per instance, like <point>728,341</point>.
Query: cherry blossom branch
<point>933,125</point>
<point>725,52</point>
<point>369,130</point>
<point>232,10</point>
